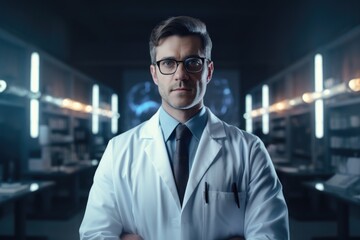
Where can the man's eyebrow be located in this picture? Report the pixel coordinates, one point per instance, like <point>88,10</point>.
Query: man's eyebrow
<point>167,58</point>
<point>192,56</point>
<point>173,58</point>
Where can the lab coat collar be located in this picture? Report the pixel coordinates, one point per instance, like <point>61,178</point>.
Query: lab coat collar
<point>152,132</point>
<point>208,149</point>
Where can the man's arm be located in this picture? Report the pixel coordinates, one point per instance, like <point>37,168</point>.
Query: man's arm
<point>266,211</point>
<point>102,218</point>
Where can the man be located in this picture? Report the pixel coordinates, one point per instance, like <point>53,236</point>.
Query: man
<point>228,188</point>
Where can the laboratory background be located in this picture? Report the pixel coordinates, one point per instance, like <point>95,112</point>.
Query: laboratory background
<point>74,74</point>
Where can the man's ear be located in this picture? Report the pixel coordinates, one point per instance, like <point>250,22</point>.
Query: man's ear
<point>210,67</point>
<point>153,73</point>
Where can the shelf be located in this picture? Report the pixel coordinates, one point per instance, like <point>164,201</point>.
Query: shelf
<point>82,115</point>
<point>278,139</point>
<point>345,132</point>
<point>277,128</point>
<point>346,152</point>
<point>278,116</point>
<point>60,143</point>
<point>281,133</point>
<point>54,110</point>
<point>12,101</point>
<point>280,152</point>
<point>301,110</point>
<point>301,154</point>
<point>60,130</point>
<point>352,100</point>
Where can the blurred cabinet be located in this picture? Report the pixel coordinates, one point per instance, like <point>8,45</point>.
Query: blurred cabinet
<point>292,124</point>
<point>291,131</point>
<point>343,134</point>
<point>55,79</point>
<point>301,135</point>
<point>65,133</point>
<point>55,138</point>
<point>278,145</point>
<point>342,63</point>
<point>13,69</point>
<point>278,139</point>
<point>82,138</point>
<point>66,146</point>
<point>342,60</point>
<point>13,110</point>
<point>314,122</point>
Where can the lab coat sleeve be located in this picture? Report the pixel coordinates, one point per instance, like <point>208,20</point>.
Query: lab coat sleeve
<point>102,219</point>
<point>266,214</point>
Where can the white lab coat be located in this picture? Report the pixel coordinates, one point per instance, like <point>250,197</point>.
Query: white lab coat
<point>134,189</point>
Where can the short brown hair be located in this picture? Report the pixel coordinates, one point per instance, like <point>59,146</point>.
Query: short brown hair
<point>181,26</point>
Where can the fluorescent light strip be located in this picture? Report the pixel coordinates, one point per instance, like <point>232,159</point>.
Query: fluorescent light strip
<point>319,104</point>
<point>114,109</point>
<point>248,109</point>
<point>265,105</point>
<point>78,106</point>
<point>95,106</point>
<point>34,118</point>
<point>34,75</point>
<point>34,88</point>
<point>318,73</point>
<point>309,97</point>
<point>319,118</point>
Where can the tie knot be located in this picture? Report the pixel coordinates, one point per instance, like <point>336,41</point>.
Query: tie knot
<point>182,132</point>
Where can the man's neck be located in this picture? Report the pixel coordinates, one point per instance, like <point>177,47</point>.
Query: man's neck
<point>182,115</point>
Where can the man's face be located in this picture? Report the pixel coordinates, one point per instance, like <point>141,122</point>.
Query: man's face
<point>181,90</point>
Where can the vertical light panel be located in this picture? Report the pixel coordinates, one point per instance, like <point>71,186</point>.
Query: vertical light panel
<point>114,110</point>
<point>34,87</point>
<point>34,118</point>
<point>319,104</point>
<point>319,118</point>
<point>248,109</point>
<point>265,105</point>
<point>34,74</point>
<point>95,105</point>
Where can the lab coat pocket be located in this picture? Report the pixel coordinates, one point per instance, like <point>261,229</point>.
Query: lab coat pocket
<point>222,218</point>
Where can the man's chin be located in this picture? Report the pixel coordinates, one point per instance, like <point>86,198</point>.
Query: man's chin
<point>185,106</point>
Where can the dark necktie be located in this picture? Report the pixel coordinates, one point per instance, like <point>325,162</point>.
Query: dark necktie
<point>181,159</point>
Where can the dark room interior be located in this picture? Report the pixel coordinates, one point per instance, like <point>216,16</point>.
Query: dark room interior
<point>285,71</point>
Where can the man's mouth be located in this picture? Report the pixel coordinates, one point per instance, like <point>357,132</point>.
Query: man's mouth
<point>181,89</point>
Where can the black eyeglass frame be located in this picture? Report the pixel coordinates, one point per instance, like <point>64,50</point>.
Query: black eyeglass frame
<point>183,61</point>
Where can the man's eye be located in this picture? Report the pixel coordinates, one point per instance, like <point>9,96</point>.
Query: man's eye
<point>193,62</point>
<point>168,63</point>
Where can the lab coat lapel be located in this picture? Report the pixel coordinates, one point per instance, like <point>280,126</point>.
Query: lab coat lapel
<point>209,147</point>
<point>157,153</point>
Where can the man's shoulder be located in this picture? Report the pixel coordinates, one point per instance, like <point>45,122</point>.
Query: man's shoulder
<point>231,130</point>
<point>235,131</point>
<point>134,132</point>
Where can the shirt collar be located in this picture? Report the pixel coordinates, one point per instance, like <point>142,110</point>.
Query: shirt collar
<point>196,124</point>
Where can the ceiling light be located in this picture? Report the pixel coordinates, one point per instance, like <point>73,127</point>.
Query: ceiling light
<point>3,85</point>
<point>354,84</point>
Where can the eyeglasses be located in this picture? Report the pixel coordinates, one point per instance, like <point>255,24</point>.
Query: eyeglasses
<point>191,64</point>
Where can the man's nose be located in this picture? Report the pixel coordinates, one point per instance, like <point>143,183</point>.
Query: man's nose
<point>181,73</point>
